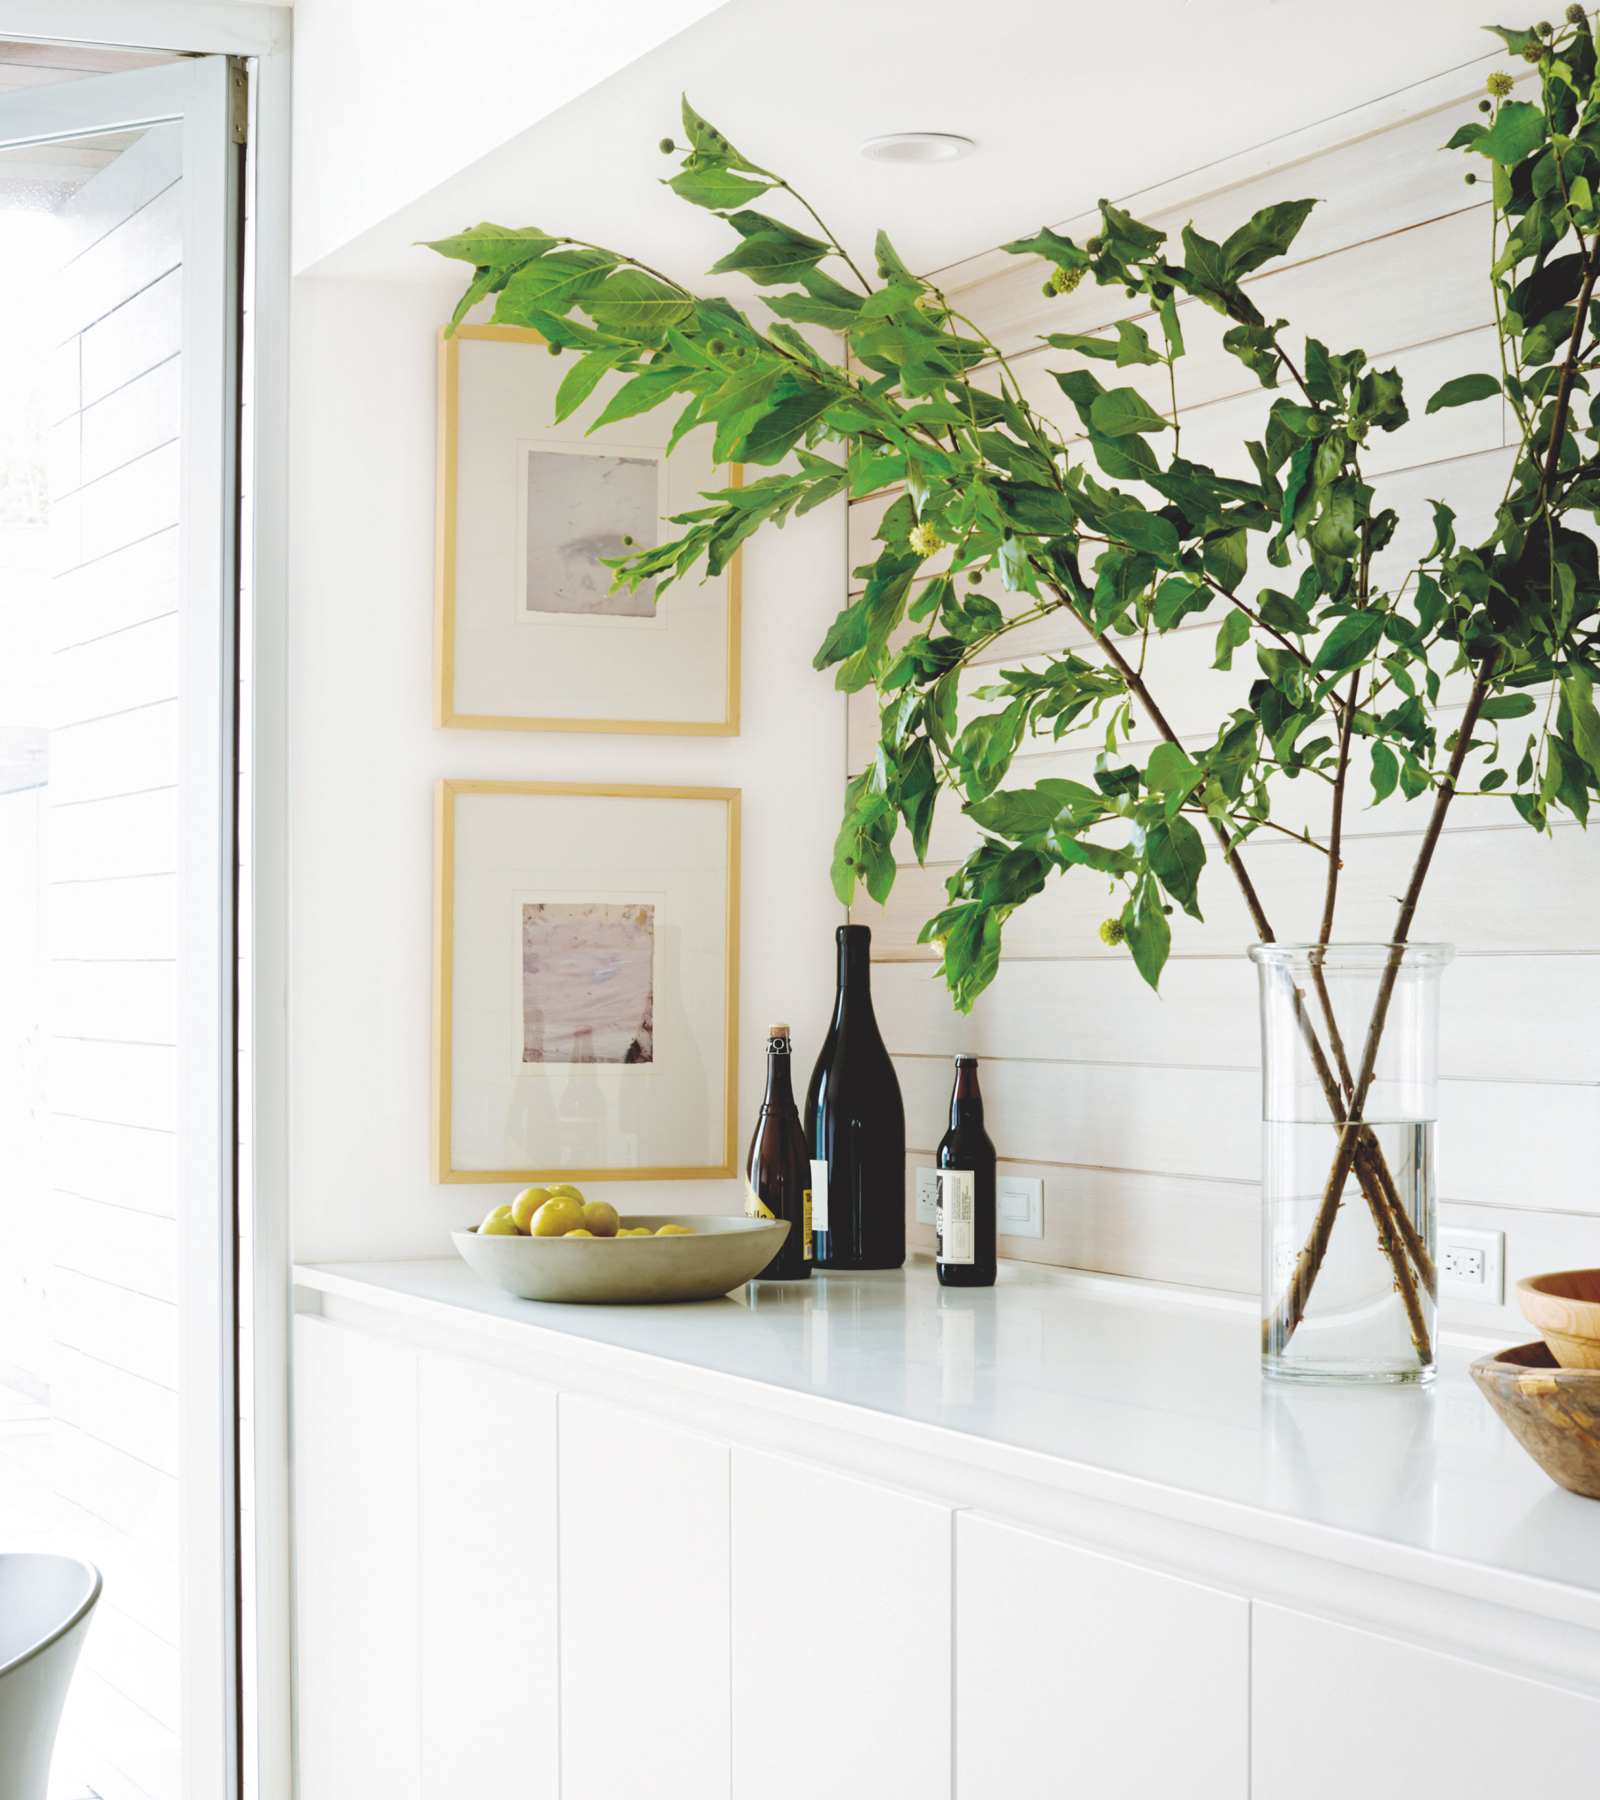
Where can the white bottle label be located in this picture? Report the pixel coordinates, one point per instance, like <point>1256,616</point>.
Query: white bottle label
<point>819,1196</point>
<point>957,1216</point>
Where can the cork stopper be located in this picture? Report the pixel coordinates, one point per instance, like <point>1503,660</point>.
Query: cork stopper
<point>777,1031</point>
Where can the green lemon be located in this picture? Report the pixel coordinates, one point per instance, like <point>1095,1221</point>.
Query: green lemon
<point>526,1204</point>
<point>556,1217</point>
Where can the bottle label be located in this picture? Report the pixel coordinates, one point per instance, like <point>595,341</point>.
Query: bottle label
<point>957,1216</point>
<point>819,1196</point>
<point>754,1206</point>
<point>807,1253</point>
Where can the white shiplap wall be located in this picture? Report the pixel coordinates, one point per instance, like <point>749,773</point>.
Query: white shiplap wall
<point>110,902</point>
<point>1141,1113</point>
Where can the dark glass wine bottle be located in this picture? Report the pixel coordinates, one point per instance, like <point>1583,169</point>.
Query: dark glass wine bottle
<point>856,1125</point>
<point>777,1179</point>
<point>966,1210</point>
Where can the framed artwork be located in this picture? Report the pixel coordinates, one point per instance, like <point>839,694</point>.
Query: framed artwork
<point>528,634</point>
<point>586,958</point>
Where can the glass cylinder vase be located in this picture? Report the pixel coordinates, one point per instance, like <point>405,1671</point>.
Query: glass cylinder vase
<point>1349,1086</point>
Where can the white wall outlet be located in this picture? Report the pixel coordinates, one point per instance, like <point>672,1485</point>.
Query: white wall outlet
<point>927,1195</point>
<point>1020,1205</point>
<point>1472,1265</point>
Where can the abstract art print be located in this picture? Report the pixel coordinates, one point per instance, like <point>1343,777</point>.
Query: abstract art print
<point>576,509</point>
<point>588,983</point>
<point>536,496</point>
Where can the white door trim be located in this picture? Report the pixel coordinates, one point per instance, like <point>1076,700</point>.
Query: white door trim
<point>204,27</point>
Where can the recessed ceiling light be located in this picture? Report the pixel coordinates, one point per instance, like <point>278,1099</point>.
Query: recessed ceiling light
<point>917,147</point>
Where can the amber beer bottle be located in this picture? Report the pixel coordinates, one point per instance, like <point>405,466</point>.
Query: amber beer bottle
<point>965,1216</point>
<point>777,1181</point>
<point>856,1125</point>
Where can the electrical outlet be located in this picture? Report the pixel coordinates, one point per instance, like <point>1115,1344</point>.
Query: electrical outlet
<point>1020,1205</point>
<point>927,1195</point>
<point>1472,1265</point>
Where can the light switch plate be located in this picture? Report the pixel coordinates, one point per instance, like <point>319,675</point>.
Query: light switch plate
<point>927,1195</point>
<point>1020,1204</point>
<point>1472,1265</point>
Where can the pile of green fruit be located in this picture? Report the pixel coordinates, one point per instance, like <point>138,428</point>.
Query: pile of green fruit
<point>562,1211</point>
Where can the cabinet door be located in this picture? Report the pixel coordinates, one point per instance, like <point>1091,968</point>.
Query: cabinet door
<point>841,1636</point>
<point>1340,1712</point>
<point>644,1608</point>
<point>486,1459</point>
<point>1078,1673</point>
<point>356,1535</point>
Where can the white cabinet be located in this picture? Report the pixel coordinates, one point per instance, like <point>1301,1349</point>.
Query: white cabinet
<point>486,1569</point>
<point>425,1575</point>
<point>841,1636</point>
<point>1339,1712</point>
<point>357,1639</point>
<point>644,1608</point>
<point>1078,1673</point>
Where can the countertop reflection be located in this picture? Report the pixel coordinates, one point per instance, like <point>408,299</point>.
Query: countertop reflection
<point>1109,1381</point>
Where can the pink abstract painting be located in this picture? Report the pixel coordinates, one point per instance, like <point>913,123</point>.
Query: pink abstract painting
<point>588,982</point>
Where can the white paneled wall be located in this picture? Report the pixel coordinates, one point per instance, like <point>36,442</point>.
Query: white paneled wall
<point>1139,1113</point>
<point>110,917</point>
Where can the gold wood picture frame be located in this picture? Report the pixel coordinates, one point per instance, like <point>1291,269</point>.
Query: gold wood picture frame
<point>455,704</point>
<point>585,982</point>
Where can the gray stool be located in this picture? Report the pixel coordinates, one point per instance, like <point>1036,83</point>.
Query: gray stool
<point>45,1603</point>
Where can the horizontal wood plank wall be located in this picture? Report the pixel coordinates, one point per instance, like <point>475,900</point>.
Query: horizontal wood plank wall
<point>1141,1113</point>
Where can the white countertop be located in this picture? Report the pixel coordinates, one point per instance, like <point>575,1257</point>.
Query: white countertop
<point>1132,1395</point>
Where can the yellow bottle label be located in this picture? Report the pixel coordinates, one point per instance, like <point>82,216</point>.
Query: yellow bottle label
<point>808,1224</point>
<point>754,1206</point>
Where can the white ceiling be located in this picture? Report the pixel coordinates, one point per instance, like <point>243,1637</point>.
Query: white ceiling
<point>1067,100</point>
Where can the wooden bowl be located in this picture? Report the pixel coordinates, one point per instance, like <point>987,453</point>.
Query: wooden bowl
<point>1554,1413</point>
<point>1564,1308</point>
<point>720,1254</point>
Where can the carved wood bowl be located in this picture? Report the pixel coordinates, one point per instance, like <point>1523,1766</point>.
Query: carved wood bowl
<point>1554,1413</point>
<point>1564,1308</point>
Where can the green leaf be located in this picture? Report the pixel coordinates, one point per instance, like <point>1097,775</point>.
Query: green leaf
<point>1351,641</point>
<point>1177,854</point>
<point>1171,770</point>
<point>1508,706</point>
<point>1121,412</point>
<point>1149,935</point>
<point>644,393</point>
<point>1050,244</point>
<point>772,261</point>
<point>1577,689</point>
<point>1142,530</point>
<point>775,435</point>
<point>1517,132</point>
<point>1226,558</point>
<point>1385,773</point>
<point>706,141</point>
<point>495,246</point>
<point>862,851</point>
<point>1132,346</point>
<point>716,188</point>
<point>1080,853</point>
<point>579,381</point>
<point>1235,631</point>
<point>1269,233</point>
<point>631,301</point>
<point>1463,391</point>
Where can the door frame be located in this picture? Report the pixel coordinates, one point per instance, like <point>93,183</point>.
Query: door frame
<point>224,981</point>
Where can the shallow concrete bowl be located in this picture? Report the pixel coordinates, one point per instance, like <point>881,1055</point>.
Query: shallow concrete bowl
<point>652,1271</point>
